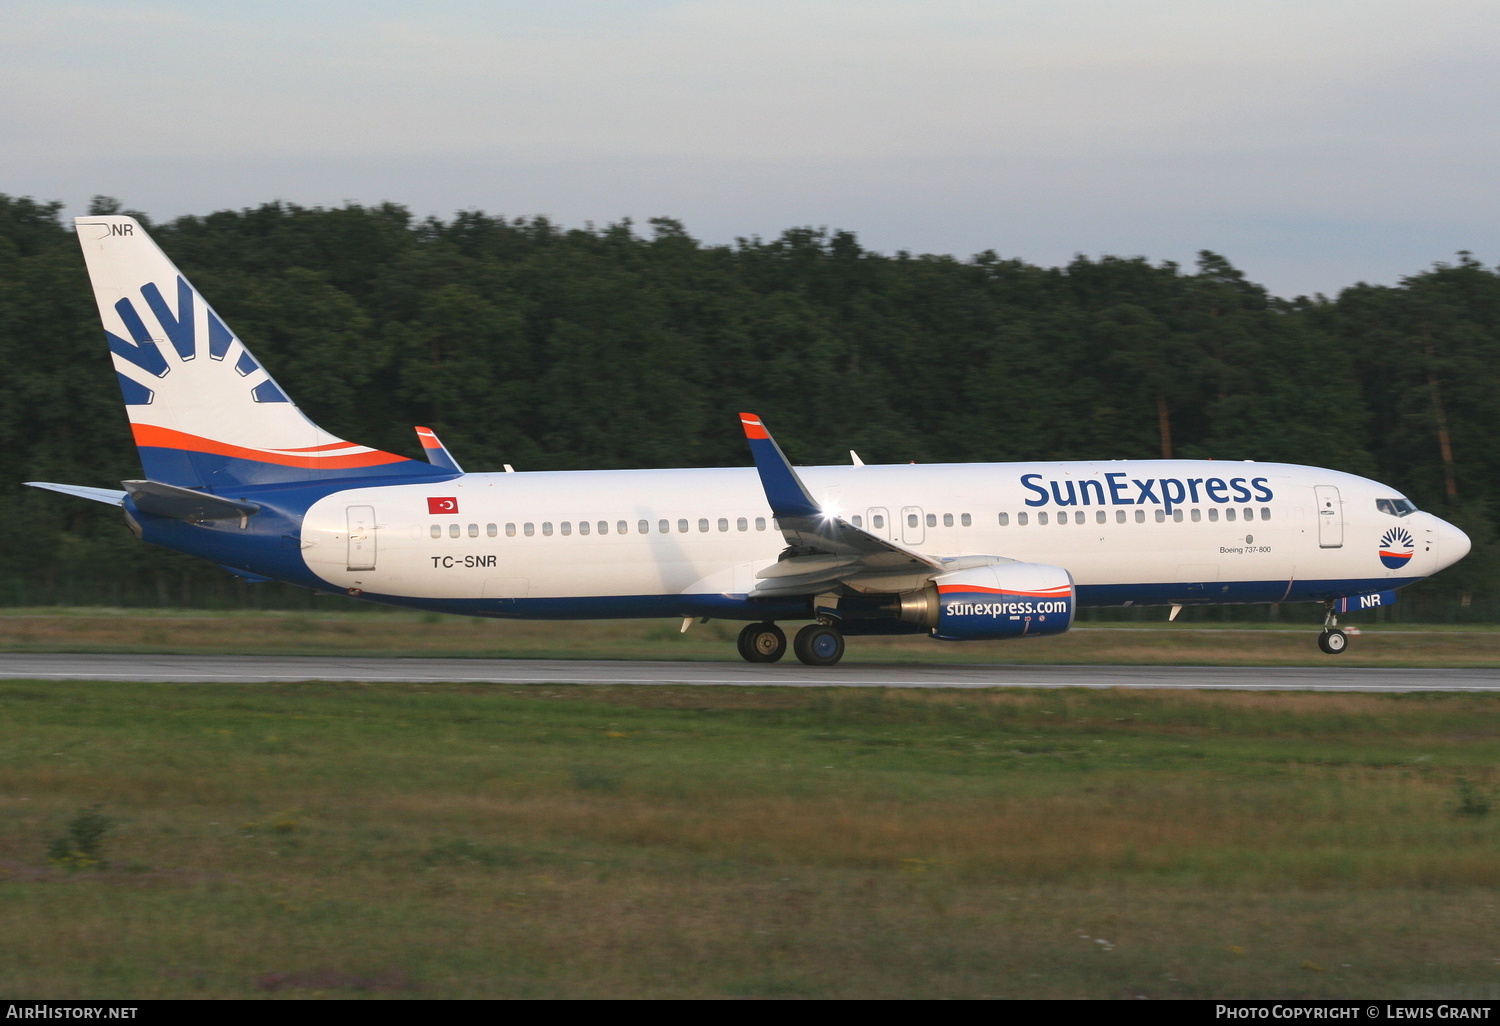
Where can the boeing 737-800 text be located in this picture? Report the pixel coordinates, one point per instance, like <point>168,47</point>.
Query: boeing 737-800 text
<point>236,474</point>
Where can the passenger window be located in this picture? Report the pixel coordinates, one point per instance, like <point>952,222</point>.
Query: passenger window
<point>452,530</point>
<point>583,527</point>
<point>1020,519</point>
<point>879,522</point>
<point>760,523</point>
<point>1041,517</point>
<point>947,519</point>
<point>1229,514</point>
<point>567,527</point>
<point>682,527</point>
<point>1004,519</point>
<point>1161,516</point>
<point>490,530</point>
<point>547,528</point>
<point>622,527</point>
<point>644,527</point>
<point>1078,516</point>
<point>1177,515</point>
<point>603,527</point>
<point>857,520</point>
<point>932,520</point>
<point>664,526</point>
<point>1197,514</point>
<point>437,530</point>
<point>1140,516</point>
<point>1099,516</point>
<point>723,524</point>
<point>911,520</point>
<point>742,524</point>
<point>703,526</point>
<point>530,529</point>
<point>1249,513</point>
<point>1265,512</point>
<point>966,520</point>
<point>1062,518</point>
<point>473,530</point>
<point>510,530</point>
<point>1213,514</point>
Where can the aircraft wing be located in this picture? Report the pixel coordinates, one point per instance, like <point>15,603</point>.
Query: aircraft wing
<point>823,548</point>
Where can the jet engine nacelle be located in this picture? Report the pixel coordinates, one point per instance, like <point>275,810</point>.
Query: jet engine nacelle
<point>1008,600</point>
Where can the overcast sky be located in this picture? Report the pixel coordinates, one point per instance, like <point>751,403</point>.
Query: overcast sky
<point>1314,143</point>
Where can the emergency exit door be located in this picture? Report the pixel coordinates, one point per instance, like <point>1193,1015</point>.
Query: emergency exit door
<point>913,532</point>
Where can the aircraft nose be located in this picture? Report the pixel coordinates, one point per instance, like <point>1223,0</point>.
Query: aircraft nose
<point>1453,544</point>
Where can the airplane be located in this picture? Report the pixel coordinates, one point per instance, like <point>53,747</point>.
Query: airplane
<point>235,473</point>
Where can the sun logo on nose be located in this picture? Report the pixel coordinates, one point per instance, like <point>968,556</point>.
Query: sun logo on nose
<point>1396,547</point>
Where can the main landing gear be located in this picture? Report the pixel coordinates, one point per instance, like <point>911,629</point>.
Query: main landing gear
<point>1332,640</point>
<point>816,644</point>
<point>761,643</point>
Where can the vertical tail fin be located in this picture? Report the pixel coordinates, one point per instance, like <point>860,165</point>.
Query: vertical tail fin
<point>204,413</point>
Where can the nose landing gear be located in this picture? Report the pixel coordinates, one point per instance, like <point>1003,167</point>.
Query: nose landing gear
<point>1332,641</point>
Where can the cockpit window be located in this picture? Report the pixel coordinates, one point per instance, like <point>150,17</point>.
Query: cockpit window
<point>1396,507</point>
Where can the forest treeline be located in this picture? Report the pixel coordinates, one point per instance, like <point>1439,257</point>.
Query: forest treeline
<point>524,342</point>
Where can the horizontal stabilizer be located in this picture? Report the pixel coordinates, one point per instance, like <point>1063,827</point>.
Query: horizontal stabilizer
<point>111,496</point>
<point>164,500</point>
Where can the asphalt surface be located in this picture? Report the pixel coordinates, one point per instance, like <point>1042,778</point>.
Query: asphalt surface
<point>1327,676</point>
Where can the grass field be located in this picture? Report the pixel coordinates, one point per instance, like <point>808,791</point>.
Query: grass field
<point>531,841</point>
<point>416,634</point>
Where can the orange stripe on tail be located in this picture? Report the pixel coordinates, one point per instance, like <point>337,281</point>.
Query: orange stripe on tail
<point>167,438</point>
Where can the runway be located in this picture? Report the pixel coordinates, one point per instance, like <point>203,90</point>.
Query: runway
<point>281,669</point>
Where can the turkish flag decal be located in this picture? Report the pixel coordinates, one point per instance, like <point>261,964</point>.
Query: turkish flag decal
<point>448,505</point>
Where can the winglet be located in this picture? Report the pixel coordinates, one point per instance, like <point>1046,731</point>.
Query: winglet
<point>785,491</point>
<point>437,454</point>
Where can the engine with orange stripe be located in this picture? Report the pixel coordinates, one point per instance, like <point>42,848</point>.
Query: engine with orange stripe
<point>1007,600</point>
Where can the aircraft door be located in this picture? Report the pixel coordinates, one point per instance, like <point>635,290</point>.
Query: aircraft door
<point>878,523</point>
<point>912,531</point>
<point>361,538</point>
<point>1330,517</point>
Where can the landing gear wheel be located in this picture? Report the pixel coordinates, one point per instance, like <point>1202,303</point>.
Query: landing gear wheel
<point>1333,641</point>
<point>819,645</point>
<point>762,643</point>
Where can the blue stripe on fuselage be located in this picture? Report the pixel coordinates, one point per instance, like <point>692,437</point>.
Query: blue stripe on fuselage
<point>270,543</point>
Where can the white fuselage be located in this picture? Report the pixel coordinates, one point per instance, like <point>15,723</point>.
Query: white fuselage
<point>622,534</point>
